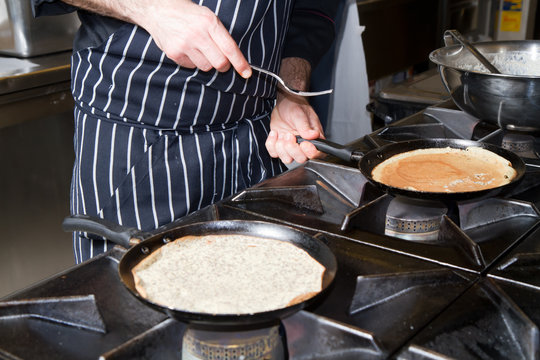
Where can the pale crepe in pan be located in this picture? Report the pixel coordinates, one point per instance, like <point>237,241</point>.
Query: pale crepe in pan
<point>446,170</point>
<point>228,274</point>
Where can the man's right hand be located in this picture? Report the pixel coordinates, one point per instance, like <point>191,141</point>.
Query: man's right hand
<point>189,34</point>
<point>192,36</point>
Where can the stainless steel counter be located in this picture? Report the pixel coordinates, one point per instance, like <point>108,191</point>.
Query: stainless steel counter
<point>17,74</point>
<point>34,87</point>
<point>36,158</point>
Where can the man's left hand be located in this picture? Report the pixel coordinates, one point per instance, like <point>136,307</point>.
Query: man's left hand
<point>293,115</point>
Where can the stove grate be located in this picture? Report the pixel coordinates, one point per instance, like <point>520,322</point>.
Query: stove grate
<point>78,311</point>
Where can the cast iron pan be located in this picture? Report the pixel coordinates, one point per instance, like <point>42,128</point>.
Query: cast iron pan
<point>368,161</point>
<point>146,243</point>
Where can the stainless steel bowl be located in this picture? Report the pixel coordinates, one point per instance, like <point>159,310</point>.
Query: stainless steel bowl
<point>510,100</point>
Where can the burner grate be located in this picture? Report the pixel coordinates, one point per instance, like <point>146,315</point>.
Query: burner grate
<point>485,322</point>
<point>77,311</point>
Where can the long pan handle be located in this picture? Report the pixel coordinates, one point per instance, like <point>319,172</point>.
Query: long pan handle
<point>331,148</point>
<point>121,235</point>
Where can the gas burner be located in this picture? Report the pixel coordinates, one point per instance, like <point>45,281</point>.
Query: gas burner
<point>259,343</point>
<point>521,144</point>
<point>412,219</point>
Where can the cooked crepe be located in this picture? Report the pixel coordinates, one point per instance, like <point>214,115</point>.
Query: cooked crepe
<point>445,170</point>
<point>228,274</point>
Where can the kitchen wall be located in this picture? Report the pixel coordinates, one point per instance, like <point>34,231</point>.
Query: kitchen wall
<point>398,33</point>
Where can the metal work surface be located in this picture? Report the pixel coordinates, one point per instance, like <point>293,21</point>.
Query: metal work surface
<point>18,74</point>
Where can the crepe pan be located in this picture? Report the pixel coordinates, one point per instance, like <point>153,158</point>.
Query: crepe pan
<point>141,244</point>
<point>369,160</point>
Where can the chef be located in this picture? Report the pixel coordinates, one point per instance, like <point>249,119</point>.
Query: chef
<point>169,115</point>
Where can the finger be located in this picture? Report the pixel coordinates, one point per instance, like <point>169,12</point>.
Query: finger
<point>200,60</point>
<point>311,127</point>
<point>271,144</point>
<point>309,150</point>
<point>293,149</point>
<point>214,55</point>
<point>310,134</point>
<point>282,150</point>
<point>184,61</point>
<point>230,49</point>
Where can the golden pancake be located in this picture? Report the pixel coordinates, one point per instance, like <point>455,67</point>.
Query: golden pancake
<point>445,170</point>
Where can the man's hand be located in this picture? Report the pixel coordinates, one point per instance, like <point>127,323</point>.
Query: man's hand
<point>293,116</point>
<point>189,34</point>
<point>193,36</point>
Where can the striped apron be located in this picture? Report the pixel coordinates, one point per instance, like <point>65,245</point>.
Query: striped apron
<point>155,141</point>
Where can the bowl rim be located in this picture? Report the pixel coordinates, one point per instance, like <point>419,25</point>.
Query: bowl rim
<point>435,56</point>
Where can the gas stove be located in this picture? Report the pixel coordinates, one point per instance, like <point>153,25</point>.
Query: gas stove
<point>415,280</point>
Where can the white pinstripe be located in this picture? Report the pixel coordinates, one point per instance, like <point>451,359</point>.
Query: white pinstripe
<point>152,190</point>
<point>103,56</point>
<point>164,96</point>
<point>224,164</point>
<point>186,180</point>
<point>145,96</point>
<point>135,198</point>
<point>216,108</point>
<point>94,166</point>
<point>130,77</point>
<point>130,142</point>
<point>201,172</point>
<point>76,74</point>
<point>215,162</point>
<point>113,76</point>
<point>253,138</point>
<point>168,170</point>
<point>182,98</point>
<point>111,162</point>
<point>86,74</point>
<point>118,208</point>
<point>236,165</point>
<point>199,104</point>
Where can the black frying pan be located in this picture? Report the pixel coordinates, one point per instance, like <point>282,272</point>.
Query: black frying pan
<point>146,243</point>
<point>368,161</point>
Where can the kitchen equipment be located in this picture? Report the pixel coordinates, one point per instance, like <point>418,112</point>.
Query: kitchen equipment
<point>148,243</point>
<point>22,35</point>
<point>471,293</point>
<point>292,91</point>
<point>396,101</point>
<point>508,101</point>
<point>369,160</point>
<point>456,35</point>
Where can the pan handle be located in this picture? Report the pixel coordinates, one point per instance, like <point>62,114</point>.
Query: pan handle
<point>331,148</point>
<point>121,235</point>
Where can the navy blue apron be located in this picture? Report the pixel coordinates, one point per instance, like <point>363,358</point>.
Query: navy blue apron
<point>155,141</point>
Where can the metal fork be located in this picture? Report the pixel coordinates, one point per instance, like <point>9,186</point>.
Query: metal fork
<point>292,91</point>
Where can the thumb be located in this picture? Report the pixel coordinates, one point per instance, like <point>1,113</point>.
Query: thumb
<point>306,131</point>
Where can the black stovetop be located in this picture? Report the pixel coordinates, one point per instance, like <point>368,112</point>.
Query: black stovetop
<point>473,293</point>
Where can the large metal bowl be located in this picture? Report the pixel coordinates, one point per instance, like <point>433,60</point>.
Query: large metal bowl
<point>510,100</point>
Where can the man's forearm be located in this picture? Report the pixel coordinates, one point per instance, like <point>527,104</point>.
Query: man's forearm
<point>296,73</point>
<point>125,10</point>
